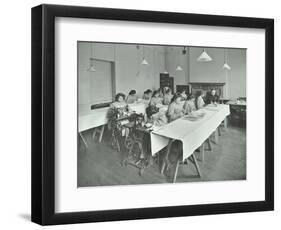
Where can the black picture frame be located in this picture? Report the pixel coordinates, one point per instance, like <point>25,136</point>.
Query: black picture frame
<point>43,113</point>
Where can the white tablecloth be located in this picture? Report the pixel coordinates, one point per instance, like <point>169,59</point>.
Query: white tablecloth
<point>97,117</point>
<point>191,133</point>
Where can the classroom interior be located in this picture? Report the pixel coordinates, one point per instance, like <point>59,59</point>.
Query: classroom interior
<point>216,153</point>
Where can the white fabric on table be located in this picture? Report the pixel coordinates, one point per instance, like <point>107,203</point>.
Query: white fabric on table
<point>191,133</point>
<point>138,107</point>
<point>97,117</point>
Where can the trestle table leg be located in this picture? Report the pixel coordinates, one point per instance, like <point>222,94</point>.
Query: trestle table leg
<point>196,164</point>
<point>176,171</point>
<point>83,139</point>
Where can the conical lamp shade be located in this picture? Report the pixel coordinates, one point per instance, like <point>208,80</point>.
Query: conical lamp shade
<point>179,68</point>
<point>226,66</point>
<point>92,69</point>
<point>204,57</point>
<point>144,62</point>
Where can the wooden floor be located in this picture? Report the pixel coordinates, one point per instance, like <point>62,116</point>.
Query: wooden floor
<point>100,165</point>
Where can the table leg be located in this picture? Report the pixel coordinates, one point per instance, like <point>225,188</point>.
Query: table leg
<point>209,144</point>
<point>176,172</point>
<point>216,136</point>
<point>94,133</point>
<point>202,152</point>
<point>166,157</point>
<point>219,130</point>
<point>196,164</point>
<point>101,133</point>
<point>83,139</point>
<point>225,122</point>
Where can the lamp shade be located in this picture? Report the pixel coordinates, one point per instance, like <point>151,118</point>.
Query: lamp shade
<point>92,69</point>
<point>204,57</point>
<point>226,66</point>
<point>179,68</point>
<point>144,62</point>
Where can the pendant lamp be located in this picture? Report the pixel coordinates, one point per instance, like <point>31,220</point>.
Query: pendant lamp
<point>144,61</point>
<point>204,57</point>
<point>92,68</point>
<point>225,65</point>
<point>179,68</point>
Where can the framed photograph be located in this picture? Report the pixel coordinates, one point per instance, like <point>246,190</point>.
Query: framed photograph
<point>142,114</point>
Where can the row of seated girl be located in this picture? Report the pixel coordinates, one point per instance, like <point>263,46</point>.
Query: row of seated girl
<point>165,95</point>
<point>151,97</point>
<point>178,104</point>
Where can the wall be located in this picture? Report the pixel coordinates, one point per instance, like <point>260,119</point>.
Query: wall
<point>212,71</point>
<point>194,71</point>
<point>174,58</point>
<point>129,73</point>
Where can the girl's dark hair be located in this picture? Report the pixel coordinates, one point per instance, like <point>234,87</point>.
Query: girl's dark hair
<point>214,90</point>
<point>189,97</point>
<point>132,92</point>
<point>168,90</point>
<point>156,92</point>
<point>198,93</point>
<point>150,110</point>
<point>148,91</point>
<point>120,95</point>
<point>177,95</point>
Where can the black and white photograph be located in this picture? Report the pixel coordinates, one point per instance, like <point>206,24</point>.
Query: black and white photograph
<point>158,113</point>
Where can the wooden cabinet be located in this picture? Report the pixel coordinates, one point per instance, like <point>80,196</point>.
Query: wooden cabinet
<point>238,114</point>
<point>166,81</point>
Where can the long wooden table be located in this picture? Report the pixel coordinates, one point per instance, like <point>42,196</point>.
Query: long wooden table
<point>192,133</point>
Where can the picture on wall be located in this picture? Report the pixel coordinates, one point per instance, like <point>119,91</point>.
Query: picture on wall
<point>148,114</point>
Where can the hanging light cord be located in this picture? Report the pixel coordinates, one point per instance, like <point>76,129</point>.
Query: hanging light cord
<point>92,51</point>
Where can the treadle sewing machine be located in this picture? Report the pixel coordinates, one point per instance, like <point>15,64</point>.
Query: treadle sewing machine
<point>118,118</point>
<point>138,144</point>
<point>130,135</point>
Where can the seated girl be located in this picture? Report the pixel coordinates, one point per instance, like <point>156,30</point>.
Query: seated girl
<point>119,103</point>
<point>189,104</point>
<point>118,109</point>
<point>212,97</point>
<point>147,94</point>
<point>175,109</point>
<point>183,95</point>
<point>156,100</point>
<point>132,97</point>
<point>199,102</point>
<point>156,116</point>
<point>167,97</point>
